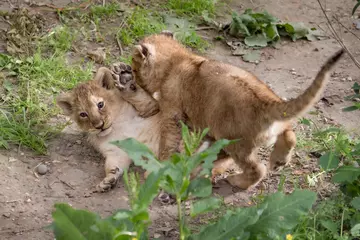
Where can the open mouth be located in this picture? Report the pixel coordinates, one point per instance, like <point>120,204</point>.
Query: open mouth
<point>105,131</point>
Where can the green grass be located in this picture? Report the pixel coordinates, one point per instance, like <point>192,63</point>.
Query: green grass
<point>60,40</point>
<point>138,24</point>
<point>30,87</point>
<point>191,8</point>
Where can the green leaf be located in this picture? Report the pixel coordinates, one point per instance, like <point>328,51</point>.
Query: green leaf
<point>200,187</point>
<point>204,205</point>
<point>329,161</point>
<point>356,203</point>
<point>258,40</point>
<point>137,151</point>
<point>283,213</point>
<point>346,174</point>
<point>237,27</point>
<point>253,56</point>
<point>305,121</point>
<point>207,156</point>
<point>355,231</point>
<point>329,225</point>
<point>149,189</point>
<point>272,33</point>
<point>75,224</point>
<point>294,30</point>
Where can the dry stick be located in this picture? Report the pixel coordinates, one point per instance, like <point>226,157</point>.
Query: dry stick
<point>336,36</point>
<point>347,29</point>
<point>119,45</point>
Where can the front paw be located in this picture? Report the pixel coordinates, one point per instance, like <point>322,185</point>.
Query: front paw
<point>124,79</point>
<point>110,180</point>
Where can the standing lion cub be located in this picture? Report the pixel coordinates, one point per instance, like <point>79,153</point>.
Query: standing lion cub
<point>232,102</point>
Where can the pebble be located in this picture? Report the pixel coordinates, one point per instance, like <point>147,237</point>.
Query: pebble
<point>7,215</point>
<point>293,73</point>
<point>343,79</point>
<point>157,235</point>
<point>356,99</point>
<point>78,142</point>
<point>12,159</point>
<point>349,79</point>
<point>42,169</point>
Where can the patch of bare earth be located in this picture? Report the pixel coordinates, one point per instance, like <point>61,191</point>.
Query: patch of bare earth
<point>74,168</point>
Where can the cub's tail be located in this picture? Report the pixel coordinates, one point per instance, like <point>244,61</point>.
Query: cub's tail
<point>295,107</point>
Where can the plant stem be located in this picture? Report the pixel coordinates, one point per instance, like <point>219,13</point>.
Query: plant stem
<point>178,201</point>
<point>342,223</point>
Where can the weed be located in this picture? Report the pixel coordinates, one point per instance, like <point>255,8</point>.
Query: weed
<point>273,219</point>
<point>98,12</point>
<point>191,8</point>
<point>140,23</point>
<point>60,40</point>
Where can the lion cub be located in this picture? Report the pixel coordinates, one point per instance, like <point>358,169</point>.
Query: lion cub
<point>105,113</point>
<point>232,102</point>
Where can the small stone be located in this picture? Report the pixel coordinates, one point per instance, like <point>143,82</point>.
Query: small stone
<point>343,80</point>
<point>349,79</point>
<point>28,200</point>
<point>293,69</point>
<point>22,154</point>
<point>42,169</point>
<point>157,235</point>
<point>7,215</point>
<point>356,99</point>
<point>78,142</point>
<point>68,145</point>
<point>293,73</point>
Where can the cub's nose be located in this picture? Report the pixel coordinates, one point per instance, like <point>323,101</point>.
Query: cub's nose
<point>99,125</point>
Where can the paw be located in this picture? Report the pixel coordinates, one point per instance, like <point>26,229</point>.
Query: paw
<point>110,180</point>
<point>166,198</point>
<point>124,79</point>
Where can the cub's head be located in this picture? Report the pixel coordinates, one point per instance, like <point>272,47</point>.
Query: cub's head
<point>150,59</point>
<point>90,105</point>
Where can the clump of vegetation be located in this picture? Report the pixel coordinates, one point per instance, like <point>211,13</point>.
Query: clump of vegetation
<point>260,29</point>
<point>138,24</point>
<point>274,218</point>
<point>355,96</point>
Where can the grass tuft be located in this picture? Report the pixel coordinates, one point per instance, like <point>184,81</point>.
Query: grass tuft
<point>191,8</point>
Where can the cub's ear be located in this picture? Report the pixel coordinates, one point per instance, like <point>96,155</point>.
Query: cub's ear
<point>104,77</point>
<point>143,51</point>
<point>65,102</point>
<point>167,33</point>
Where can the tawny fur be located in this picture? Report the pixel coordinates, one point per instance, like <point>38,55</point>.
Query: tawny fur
<point>120,118</point>
<point>232,102</point>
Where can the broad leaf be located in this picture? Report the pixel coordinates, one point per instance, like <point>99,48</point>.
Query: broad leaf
<point>351,108</point>
<point>329,161</point>
<point>208,157</point>
<point>71,224</point>
<point>200,187</point>
<point>149,189</point>
<point>258,40</point>
<point>204,205</point>
<point>282,213</point>
<point>230,226</point>
<point>137,151</point>
<point>356,203</point>
<point>329,225</point>
<point>355,231</point>
<point>272,33</point>
<point>346,174</point>
<point>253,56</point>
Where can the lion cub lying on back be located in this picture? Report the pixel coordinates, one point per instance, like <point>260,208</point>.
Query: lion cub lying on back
<point>101,109</point>
<point>232,102</point>
<point>111,107</point>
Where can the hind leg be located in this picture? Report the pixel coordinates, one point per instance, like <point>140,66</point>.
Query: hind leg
<point>244,156</point>
<point>283,149</point>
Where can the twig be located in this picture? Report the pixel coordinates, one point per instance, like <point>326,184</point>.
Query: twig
<point>336,36</point>
<point>104,3</point>
<point>347,29</point>
<point>67,184</point>
<point>11,5</point>
<point>119,45</point>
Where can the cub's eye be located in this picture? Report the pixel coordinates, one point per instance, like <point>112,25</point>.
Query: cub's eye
<point>100,105</point>
<point>83,115</point>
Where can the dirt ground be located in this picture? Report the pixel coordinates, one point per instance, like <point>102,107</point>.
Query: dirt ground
<point>26,200</point>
